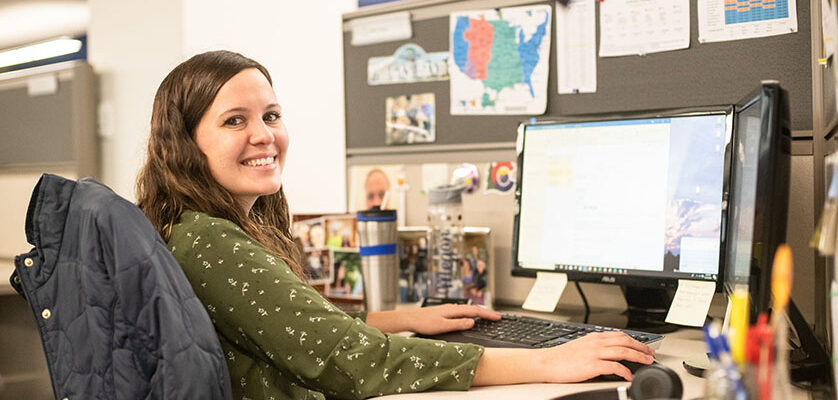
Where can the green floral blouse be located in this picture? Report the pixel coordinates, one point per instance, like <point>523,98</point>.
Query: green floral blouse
<point>283,340</point>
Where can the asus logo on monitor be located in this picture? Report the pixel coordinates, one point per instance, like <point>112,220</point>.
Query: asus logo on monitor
<point>608,279</point>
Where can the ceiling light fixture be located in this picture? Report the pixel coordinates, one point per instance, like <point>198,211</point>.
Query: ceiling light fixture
<point>39,51</point>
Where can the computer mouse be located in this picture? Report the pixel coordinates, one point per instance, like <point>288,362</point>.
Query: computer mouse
<point>631,365</point>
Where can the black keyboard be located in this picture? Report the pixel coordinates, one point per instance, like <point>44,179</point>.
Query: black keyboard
<point>521,331</point>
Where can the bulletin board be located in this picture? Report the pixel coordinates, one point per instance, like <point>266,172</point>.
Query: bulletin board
<point>704,74</point>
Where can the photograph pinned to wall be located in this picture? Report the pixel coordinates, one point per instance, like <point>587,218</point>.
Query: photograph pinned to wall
<point>411,119</point>
<point>318,266</point>
<point>341,231</point>
<point>377,185</point>
<point>501,177</point>
<point>409,63</point>
<point>499,61</point>
<point>348,282</point>
<point>311,232</point>
<point>477,267</point>
<point>413,263</point>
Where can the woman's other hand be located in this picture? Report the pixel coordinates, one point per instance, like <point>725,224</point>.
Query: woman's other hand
<point>575,361</point>
<point>430,320</point>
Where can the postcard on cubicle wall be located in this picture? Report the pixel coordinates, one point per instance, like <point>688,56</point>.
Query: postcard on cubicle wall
<point>410,63</point>
<point>318,266</point>
<point>348,281</point>
<point>411,118</point>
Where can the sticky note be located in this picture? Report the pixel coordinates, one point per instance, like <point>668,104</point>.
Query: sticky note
<point>691,303</point>
<point>545,293</point>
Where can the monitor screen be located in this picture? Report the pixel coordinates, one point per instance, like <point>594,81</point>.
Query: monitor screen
<point>633,200</point>
<point>759,190</point>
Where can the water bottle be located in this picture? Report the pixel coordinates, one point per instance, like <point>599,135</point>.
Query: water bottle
<point>379,261</point>
<point>445,217</point>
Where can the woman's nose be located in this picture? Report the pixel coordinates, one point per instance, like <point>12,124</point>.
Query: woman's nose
<point>261,134</point>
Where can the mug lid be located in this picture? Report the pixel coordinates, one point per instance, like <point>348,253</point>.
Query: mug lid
<point>376,214</point>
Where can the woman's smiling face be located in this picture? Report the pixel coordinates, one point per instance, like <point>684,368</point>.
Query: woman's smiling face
<point>243,137</point>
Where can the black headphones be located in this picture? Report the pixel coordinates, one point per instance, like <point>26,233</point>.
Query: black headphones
<point>652,382</point>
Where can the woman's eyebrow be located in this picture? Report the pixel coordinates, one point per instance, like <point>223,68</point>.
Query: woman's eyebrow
<point>235,109</point>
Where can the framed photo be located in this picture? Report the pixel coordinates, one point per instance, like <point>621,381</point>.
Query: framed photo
<point>477,267</point>
<point>341,231</point>
<point>412,248</point>
<point>476,264</point>
<point>319,266</point>
<point>310,232</point>
<point>348,282</point>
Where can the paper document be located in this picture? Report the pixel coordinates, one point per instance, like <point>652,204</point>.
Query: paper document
<point>638,27</point>
<point>721,20</point>
<point>691,303</point>
<point>434,175</point>
<point>381,28</point>
<point>545,294</point>
<point>576,46</point>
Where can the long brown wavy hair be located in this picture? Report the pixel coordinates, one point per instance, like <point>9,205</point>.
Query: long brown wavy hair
<point>176,176</point>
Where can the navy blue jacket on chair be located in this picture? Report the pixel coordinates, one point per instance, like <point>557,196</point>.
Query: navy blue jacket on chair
<point>116,315</point>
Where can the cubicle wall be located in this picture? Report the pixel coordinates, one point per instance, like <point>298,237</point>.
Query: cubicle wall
<point>49,125</point>
<point>703,74</point>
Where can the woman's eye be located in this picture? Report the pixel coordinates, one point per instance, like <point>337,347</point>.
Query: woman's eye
<point>272,116</point>
<point>234,121</point>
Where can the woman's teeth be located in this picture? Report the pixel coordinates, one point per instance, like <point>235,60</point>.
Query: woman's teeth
<point>259,161</point>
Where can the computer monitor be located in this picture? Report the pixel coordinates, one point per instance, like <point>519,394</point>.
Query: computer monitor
<point>759,192</point>
<point>758,211</point>
<point>634,200</point>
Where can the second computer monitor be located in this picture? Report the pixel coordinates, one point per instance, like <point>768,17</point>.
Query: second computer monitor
<point>633,200</point>
<point>759,192</point>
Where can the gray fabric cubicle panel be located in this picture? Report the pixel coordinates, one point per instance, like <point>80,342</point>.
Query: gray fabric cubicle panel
<point>37,129</point>
<point>704,74</point>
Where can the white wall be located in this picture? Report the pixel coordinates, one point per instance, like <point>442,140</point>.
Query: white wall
<point>134,44</point>
<point>131,46</point>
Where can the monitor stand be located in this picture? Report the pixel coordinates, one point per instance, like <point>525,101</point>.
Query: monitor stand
<point>646,310</point>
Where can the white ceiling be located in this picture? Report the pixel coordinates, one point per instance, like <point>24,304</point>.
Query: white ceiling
<point>28,21</point>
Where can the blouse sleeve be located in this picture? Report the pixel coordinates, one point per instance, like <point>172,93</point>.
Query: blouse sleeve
<point>259,304</point>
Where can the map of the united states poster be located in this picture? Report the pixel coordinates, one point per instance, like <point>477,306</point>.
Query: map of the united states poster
<point>499,61</point>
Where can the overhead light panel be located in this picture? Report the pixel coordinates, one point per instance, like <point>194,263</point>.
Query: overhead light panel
<point>39,51</point>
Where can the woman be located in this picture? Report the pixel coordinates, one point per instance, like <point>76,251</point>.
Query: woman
<point>212,188</point>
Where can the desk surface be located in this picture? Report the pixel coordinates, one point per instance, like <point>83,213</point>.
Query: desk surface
<point>674,348</point>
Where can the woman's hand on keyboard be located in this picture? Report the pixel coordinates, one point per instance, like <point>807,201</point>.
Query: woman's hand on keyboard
<point>431,320</point>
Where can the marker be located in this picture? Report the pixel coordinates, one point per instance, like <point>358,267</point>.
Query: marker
<point>738,325</point>
<point>781,280</point>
